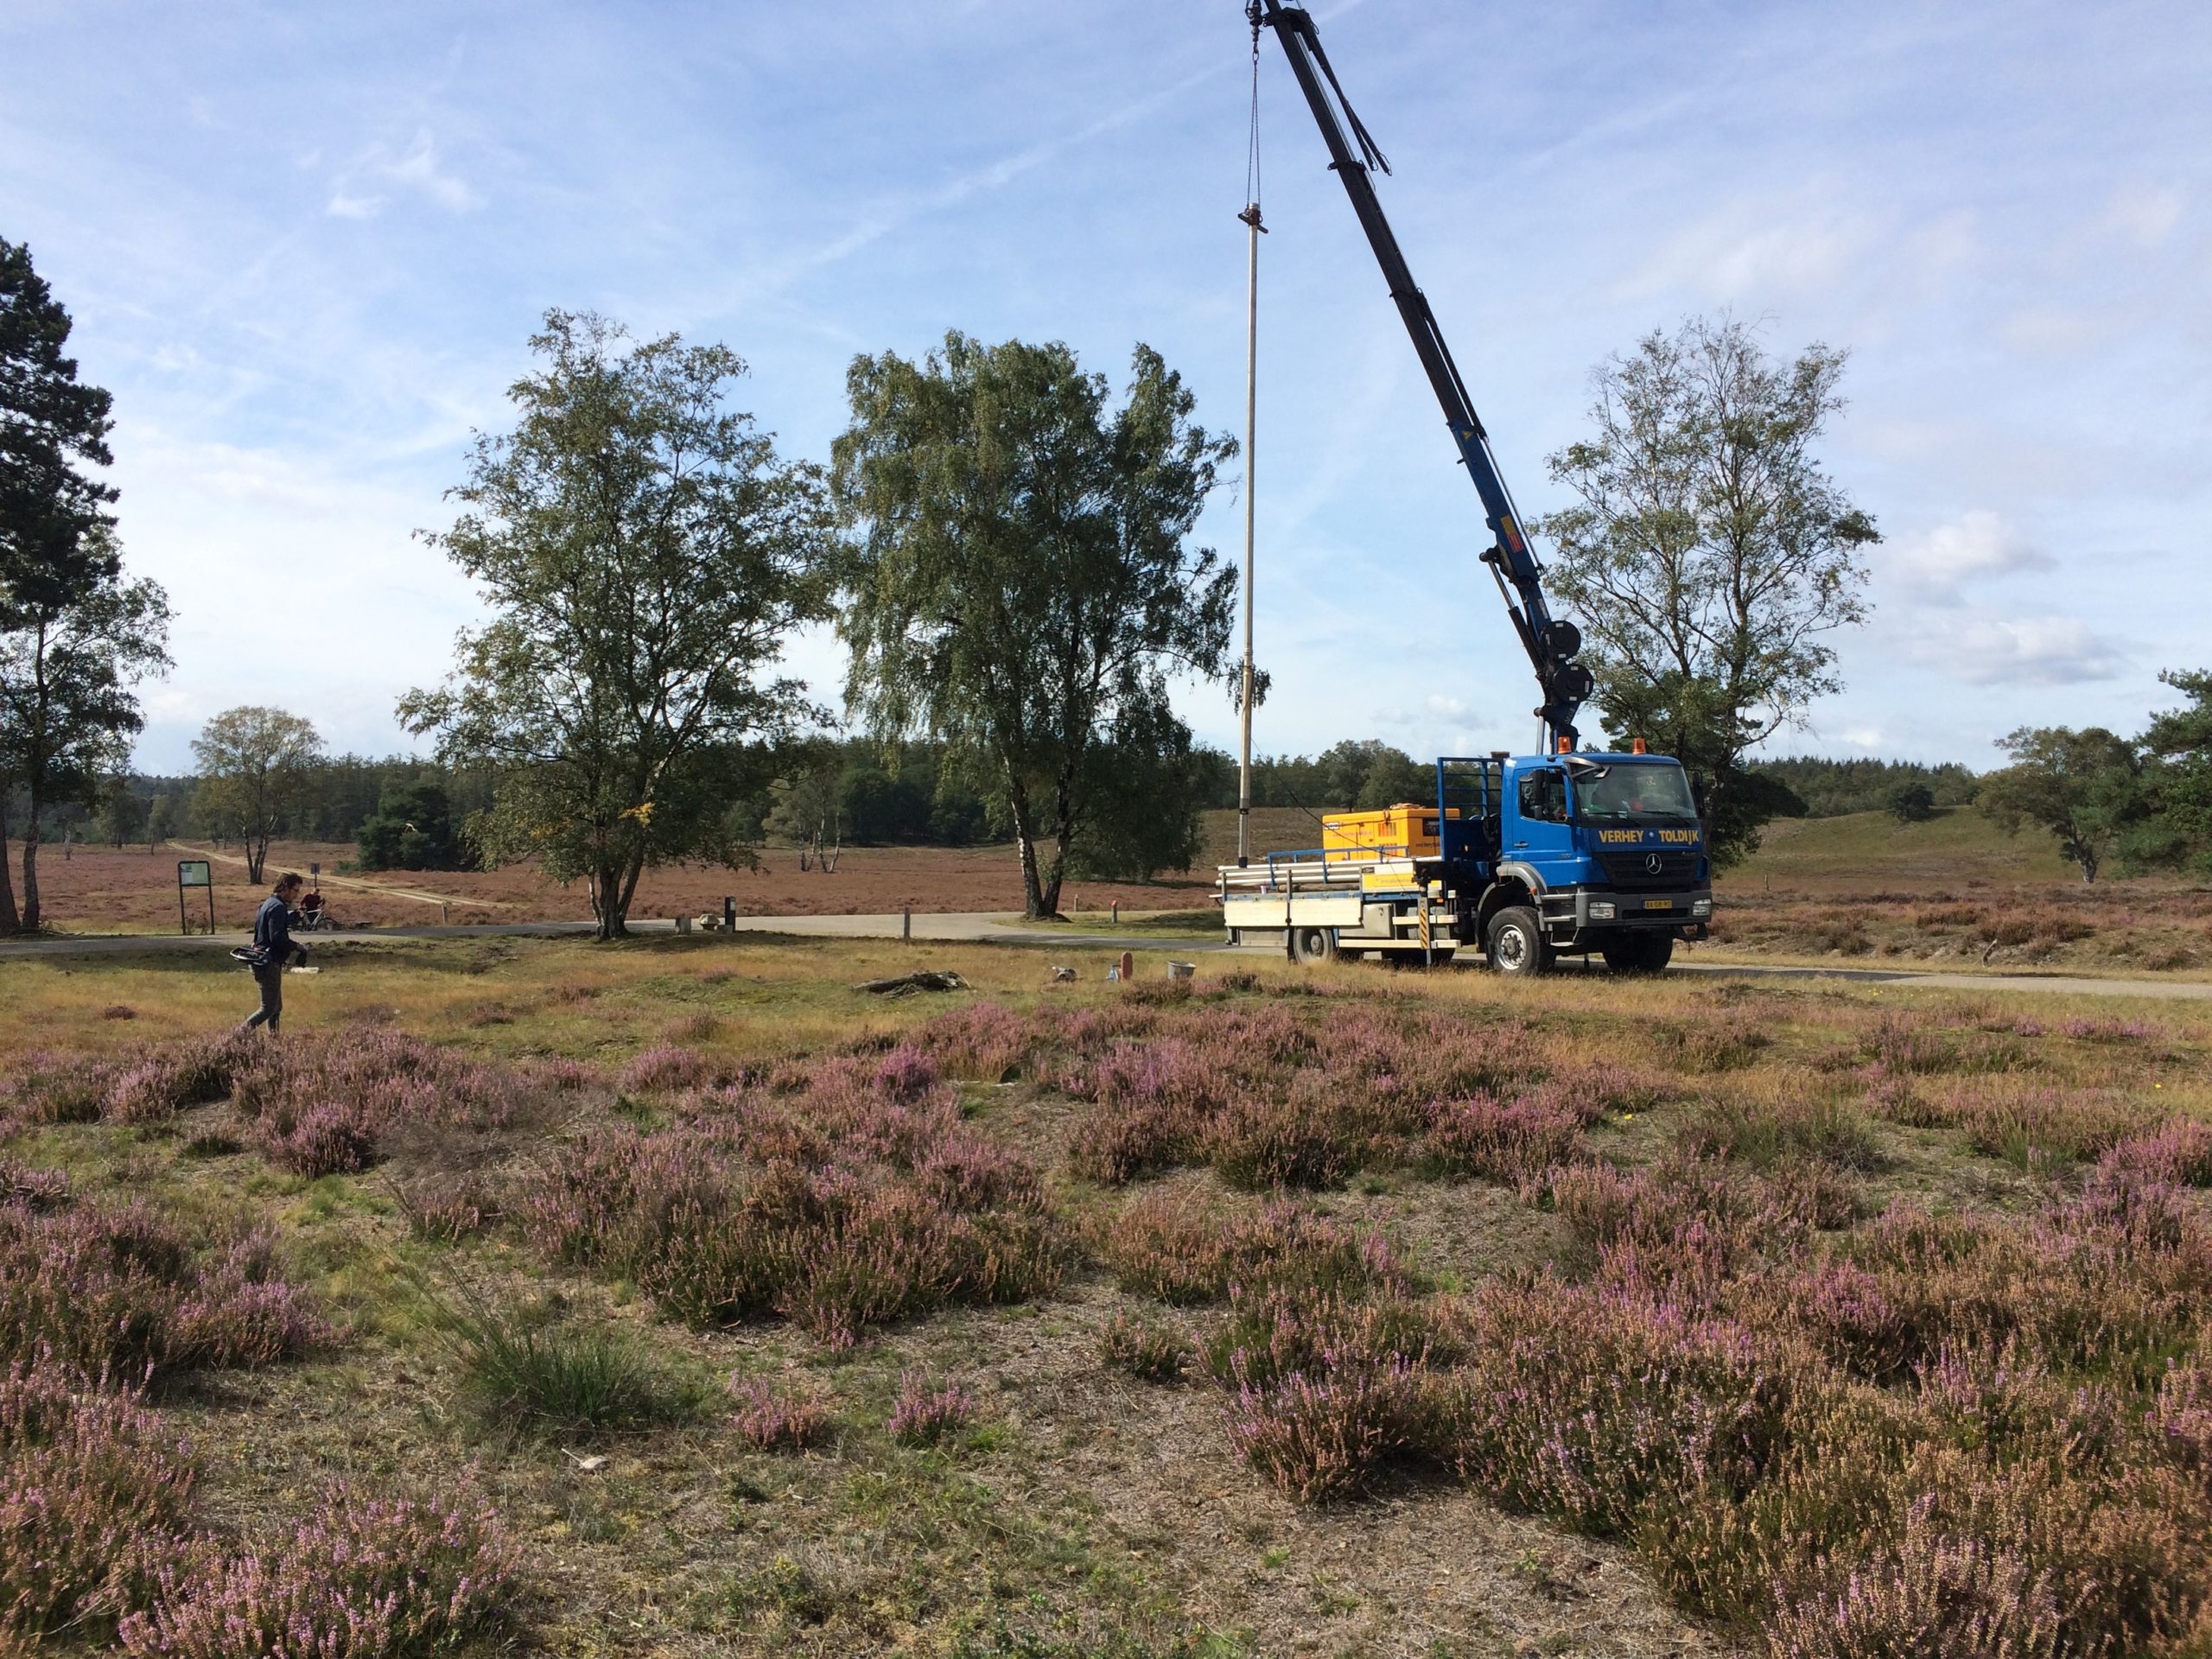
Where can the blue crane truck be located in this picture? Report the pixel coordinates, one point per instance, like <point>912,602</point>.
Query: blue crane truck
<point>1524,858</point>
<point>1527,858</point>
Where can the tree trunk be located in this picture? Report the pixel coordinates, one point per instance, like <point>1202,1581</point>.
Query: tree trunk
<point>609,906</point>
<point>1025,838</point>
<point>10,921</point>
<point>30,923</point>
<point>1049,881</point>
<point>637,868</point>
<point>257,856</point>
<point>1032,896</point>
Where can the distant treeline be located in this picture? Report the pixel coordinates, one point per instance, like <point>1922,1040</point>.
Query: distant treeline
<point>1829,789</point>
<point>340,798</point>
<point>407,813</point>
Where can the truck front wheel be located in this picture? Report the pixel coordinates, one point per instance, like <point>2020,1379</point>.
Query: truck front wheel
<point>1639,953</point>
<point>1517,942</point>
<point>1312,944</point>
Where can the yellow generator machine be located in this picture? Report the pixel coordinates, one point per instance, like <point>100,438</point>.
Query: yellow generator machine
<point>1402,831</point>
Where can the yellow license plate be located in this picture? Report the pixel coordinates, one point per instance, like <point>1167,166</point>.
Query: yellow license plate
<point>1658,904</point>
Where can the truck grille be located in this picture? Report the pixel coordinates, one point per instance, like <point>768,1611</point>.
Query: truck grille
<point>1633,870</point>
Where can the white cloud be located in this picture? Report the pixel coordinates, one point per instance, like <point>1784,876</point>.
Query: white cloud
<point>1932,623</point>
<point>2144,214</point>
<point>2051,330</point>
<point>418,171</point>
<point>237,533</point>
<point>2025,650</point>
<point>1755,250</point>
<point>1934,567</point>
<point>1447,709</point>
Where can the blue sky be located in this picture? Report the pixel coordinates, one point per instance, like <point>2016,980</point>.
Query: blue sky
<point>305,246</point>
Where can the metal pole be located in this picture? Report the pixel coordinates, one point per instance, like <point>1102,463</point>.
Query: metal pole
<point>1250,216</point>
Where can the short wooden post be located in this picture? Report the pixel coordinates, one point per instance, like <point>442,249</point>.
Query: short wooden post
<point>1128,966</point>
<point>906,924</point>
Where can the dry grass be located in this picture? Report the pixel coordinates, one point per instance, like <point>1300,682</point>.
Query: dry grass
<point>1955,892</point>
<point>100,890</point>
<point>1850,1197</point>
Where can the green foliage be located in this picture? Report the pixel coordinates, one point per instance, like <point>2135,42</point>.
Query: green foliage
<point>805,802</point>
<point>54,544</point>
<point>1357,772</point>
<point>2177,780</point>
<point>1019,586</point>
<point>1147,791</point>
<point>1709,554</point>
<point>1368,773</point>
<point>68,698</point>
<point>1831,789</point>
<point>413,829</point>
<point>644,555</point>
<point>519,1371</point>
<point>2084,789</point>
<point>121,813</point>
<point>1913,802</point>
<point>160,819</point>
<point>870,794</point>
<point>255,765</point>
<point>1737,806</point>
<point>74,637</point>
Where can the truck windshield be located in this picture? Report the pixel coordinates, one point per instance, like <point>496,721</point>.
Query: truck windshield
<point>1620,794</point>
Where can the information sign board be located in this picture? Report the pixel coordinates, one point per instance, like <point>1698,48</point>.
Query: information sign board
<point>194,873</point>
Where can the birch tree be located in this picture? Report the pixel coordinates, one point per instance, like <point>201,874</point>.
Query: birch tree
<point>1709,558</point>
<point>255,764</point>
<point>1019,583</point>
<point>646,554</point>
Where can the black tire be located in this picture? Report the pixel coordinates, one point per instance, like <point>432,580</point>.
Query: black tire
<point>1312,944</point>
<point>1517,942</point>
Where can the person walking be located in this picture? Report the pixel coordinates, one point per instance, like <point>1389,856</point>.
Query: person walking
<point>272,951</point>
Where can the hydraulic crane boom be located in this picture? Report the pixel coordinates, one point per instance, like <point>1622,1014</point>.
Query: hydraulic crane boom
<point>1550,642</point>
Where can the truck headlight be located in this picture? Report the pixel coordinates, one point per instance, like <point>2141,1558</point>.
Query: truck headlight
<point>1701,907</point>
<point>1601,910</point>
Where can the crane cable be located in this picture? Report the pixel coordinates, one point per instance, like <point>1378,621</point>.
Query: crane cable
<point>1252,143</point>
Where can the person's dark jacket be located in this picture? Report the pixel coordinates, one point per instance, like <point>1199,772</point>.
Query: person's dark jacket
<point>272,933</point>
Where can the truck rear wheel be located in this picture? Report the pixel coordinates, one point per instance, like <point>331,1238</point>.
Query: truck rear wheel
<point>1312,944</point>
<point>1517,944</point>
<point>1639,953</point>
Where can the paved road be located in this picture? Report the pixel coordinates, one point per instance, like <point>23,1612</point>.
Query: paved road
<point>972,927</point>
<point>998,929</point>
